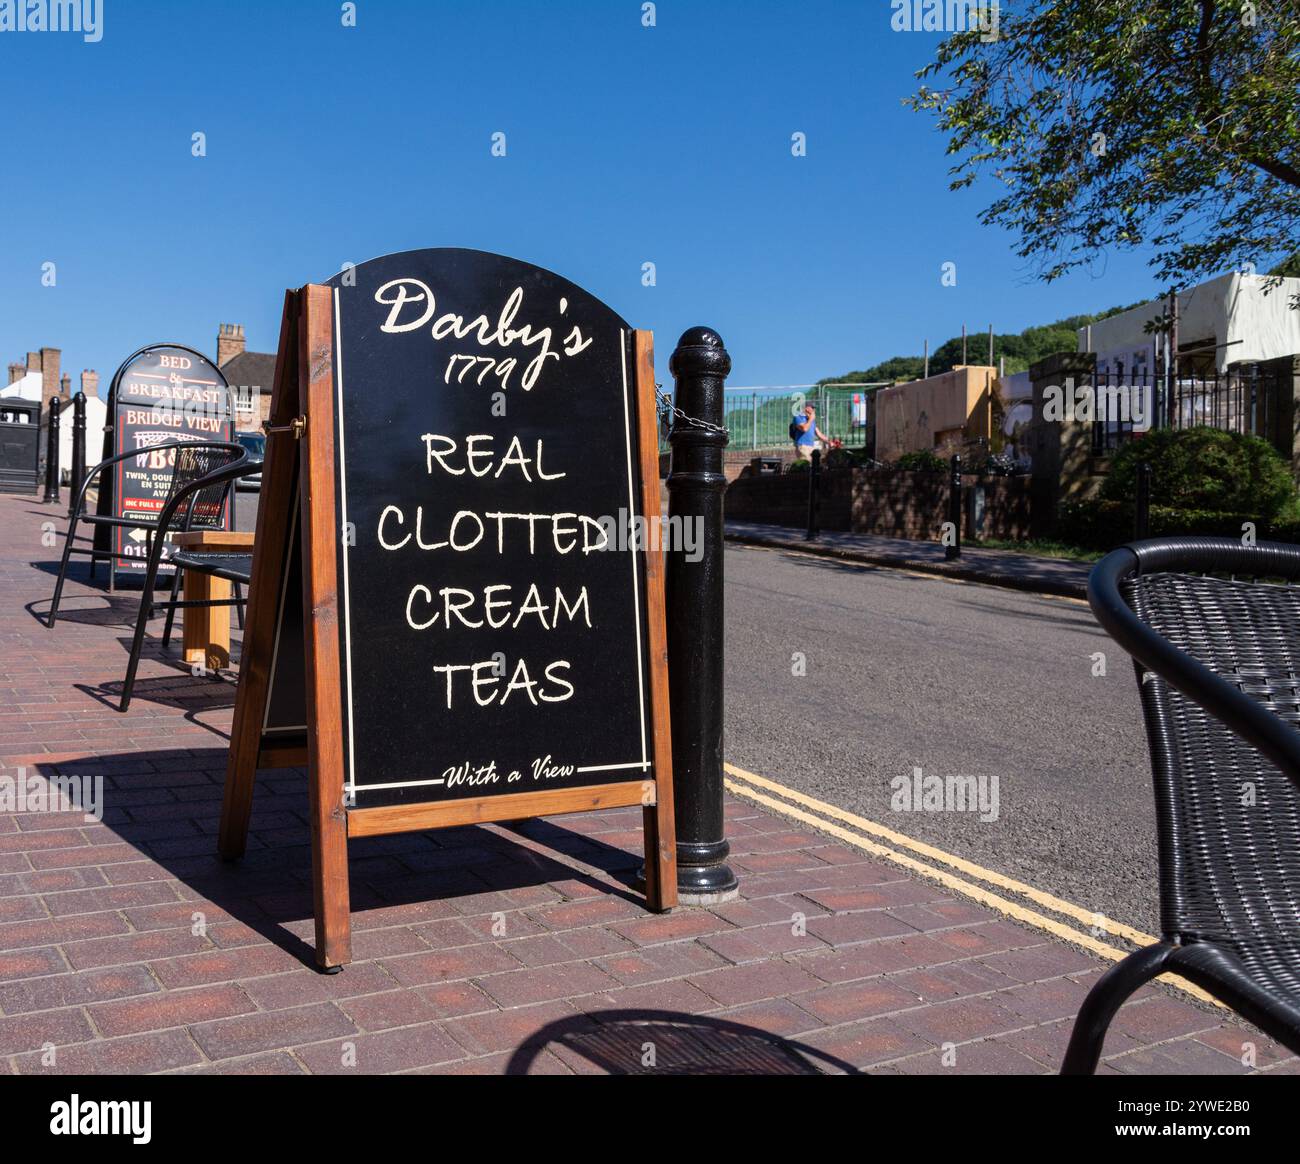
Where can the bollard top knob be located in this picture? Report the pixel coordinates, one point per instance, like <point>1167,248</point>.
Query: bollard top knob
<point>699,352</point>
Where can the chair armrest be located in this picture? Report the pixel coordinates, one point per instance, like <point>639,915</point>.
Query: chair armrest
<point>91,474</point>
<point>238,468</point>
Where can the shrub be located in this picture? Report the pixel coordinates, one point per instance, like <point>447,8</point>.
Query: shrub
<point>923,462</point>
<point>1098,524</point>
<point>1205,469</point>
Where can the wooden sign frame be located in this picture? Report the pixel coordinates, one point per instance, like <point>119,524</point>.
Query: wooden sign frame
<point>301,454</point>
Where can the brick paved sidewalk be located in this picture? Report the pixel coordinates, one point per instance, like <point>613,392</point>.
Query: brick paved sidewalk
<point>126,946</point>
<point>1005,568</point>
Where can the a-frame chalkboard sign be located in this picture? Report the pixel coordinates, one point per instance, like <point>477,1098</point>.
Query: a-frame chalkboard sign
<point>455,616</point>
<point>160,393</point>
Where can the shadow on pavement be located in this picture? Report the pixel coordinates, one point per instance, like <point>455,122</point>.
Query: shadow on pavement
<point>663,1042</point>
<point>169,807</point>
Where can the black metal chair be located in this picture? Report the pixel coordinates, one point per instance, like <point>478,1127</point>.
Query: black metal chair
<point>202,495</point>
<point>203,457</point>
<point>1214,630</point>
<point>197,496</point>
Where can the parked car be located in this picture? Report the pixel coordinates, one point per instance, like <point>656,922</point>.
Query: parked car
<point>255,443</point>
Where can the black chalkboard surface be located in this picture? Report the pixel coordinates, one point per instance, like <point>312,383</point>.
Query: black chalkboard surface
<point>492,611</point>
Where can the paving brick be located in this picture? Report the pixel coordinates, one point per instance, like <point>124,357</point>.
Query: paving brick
<point>76,989</point>
<point>1180,1057</point>
<point>31,1032</point>
<point>298,987</point>
<point>658,962</point>
<point>120,951</point>
<point>1162,1017</point>
<point>960,1021</point>
<point>132,1055</point>
<point>736,984</point>
<point>538,1063</point>
<point>506,1030</point>
<point>222,966</point>
<point>20,964</point>
<point>673,995</point>
<point>986,1057</point>
<point>544,983</point>
<point>271,1030</point>
<point>1238,1042</point>
<point>872,958</point>
<point>440,965</point>
<point>273,1063</point>
<point>57,931</point>
<point>391,1008</point>
<point>777,1016</point>
<point>594,911</point>
<point>170,1008</point>
<point>450,999</point>
<point>854,1000</point>
<point>400,1049</point>
<point>858,1045</point>
<point>758,943</point>
<point>842,929</point>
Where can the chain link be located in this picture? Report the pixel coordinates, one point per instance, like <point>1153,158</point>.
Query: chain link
<point>666,404</point>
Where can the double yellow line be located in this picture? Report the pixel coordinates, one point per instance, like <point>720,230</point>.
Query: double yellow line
<point>888,845</point>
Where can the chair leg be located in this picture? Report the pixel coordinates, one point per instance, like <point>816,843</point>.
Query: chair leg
<point>1107,995</point>
<point>171,608</point>
<point>141,621</point>
<point>239,604</point>
<point>63,569</point>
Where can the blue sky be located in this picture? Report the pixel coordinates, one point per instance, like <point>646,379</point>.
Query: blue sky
<point>625,145</point>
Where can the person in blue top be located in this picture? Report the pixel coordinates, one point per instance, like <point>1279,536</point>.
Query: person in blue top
<point>807,436</point>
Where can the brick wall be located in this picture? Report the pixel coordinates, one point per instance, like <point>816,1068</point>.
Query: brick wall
<point>887,502</point>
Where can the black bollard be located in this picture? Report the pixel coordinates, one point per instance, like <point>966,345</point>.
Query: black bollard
<point>1142,503</point>
<point>814,493</point>
<point>696,485</point>
<point>954,509</point>
<point>52,454</point>
<point>78,449</point>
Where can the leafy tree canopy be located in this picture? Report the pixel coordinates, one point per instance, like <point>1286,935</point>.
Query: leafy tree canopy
<point>1020,350</point>
<point>1169,124</point>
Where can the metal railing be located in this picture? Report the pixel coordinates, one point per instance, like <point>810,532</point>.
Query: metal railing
<point>759,418</point>
<point>1244,401</point>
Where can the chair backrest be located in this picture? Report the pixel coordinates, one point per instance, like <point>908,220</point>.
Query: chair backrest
<point>206,508</point>
<point>1228,816</point>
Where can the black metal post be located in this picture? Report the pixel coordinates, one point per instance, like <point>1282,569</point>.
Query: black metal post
<point>954,509</point>
<point>1142,503</point>
<point>52,454</point>
<point>78,449</point>
<point>696,485</point>
<point>814,481</point>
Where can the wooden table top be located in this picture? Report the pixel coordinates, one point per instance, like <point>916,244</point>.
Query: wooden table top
<point>215,539</point>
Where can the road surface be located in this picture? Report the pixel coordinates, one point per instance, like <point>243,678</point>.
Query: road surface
<point>904,671</point>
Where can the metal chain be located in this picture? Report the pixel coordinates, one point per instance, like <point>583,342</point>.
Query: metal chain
<point>666,404</point>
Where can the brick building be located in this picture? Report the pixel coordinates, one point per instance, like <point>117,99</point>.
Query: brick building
<point>249,374</point>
